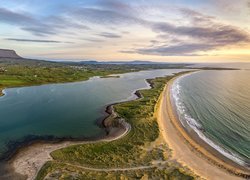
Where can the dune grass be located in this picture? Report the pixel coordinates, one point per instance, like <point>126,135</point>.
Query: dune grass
<point>138,148</point>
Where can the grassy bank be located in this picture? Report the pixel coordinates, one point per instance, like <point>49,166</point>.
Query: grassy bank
<point>27,72</point>
<point>16,73</point>
<point>143,147</point>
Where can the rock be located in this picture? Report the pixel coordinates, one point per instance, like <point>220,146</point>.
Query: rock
<point>7,53</point>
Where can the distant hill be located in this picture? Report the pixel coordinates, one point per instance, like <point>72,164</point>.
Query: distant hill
<point>112,62</point>
<point>7,53</point>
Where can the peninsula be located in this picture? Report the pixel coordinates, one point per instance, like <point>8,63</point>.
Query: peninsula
<point>149,134</point>
<point>115,89</point>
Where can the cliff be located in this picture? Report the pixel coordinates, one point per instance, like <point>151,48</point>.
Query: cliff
<point>6,53</point>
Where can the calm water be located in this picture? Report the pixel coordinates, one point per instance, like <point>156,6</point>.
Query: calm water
<point>216,104</point>
<point>245,65</point>
<point>70,109</point>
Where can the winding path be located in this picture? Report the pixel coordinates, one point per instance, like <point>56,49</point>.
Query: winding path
<point>30,160</point>
<point>160,164</point>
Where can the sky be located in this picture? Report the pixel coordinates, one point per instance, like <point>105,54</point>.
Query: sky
<point>107,30</point>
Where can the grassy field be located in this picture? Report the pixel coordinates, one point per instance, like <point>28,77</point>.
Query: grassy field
<point>25,72</point>
<point>142,147</point>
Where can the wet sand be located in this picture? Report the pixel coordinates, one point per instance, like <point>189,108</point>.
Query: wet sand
<point>30,159</point>
<point>186,150</point>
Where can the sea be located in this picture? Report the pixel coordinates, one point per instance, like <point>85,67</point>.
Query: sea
<point>216,105</point>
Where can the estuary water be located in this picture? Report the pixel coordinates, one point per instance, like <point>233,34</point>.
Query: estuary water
<point>216,105</point>
<point>65,110</point>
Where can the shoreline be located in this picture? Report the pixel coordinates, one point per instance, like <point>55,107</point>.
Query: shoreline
<point>202,142</point>
<point>203,162</point>
<point>14,147</point>
<point>27,160</point>
<point>2,92</point>
<point>32,157</point>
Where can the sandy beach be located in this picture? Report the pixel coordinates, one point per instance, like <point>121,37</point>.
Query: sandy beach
<point>185,150</point>
<point>29,160</point>
<point>1,92</point>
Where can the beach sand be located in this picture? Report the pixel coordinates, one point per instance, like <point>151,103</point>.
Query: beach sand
<point>185,150</point>
<point>29,160</point>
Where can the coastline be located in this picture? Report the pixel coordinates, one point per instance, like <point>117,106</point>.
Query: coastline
<point>29,159</point>
<point>188,151</point>
<point>33,157</point>
<point>14,147</point>
<point>2,92</point>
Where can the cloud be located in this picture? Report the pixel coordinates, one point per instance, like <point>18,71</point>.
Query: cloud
<point>248,5</point>
<point>35,40</point>
<point>107,13</point>
<point>215,32</point>
<point>196,17</point>
<point>109,35</point>
<point>93,40</point>
<point>25,22</point>
<point>117,6</point>
<point>204,28</point>
<point>104,17</point>
<point>11,17</point>
<point>187,49</point>
<point>40,27</point>
<point>196,34</point>
<point>203,33</point>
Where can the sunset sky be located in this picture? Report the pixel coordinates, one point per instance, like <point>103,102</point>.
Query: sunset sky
<point>157,30</point>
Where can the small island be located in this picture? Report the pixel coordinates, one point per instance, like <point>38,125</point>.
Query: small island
<point>111,76</point>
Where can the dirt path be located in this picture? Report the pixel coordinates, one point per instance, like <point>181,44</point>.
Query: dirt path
<point>30,160</point>
<point>160,164</point>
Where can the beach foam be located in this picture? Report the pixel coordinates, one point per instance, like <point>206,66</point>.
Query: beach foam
<point>187,120</point>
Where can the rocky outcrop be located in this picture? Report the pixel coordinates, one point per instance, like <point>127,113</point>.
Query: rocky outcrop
<point>7,53</point>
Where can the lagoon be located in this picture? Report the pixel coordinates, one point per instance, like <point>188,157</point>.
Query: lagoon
<point>66,110</point>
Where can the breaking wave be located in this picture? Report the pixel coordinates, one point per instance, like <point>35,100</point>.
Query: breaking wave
<point>188,121</point>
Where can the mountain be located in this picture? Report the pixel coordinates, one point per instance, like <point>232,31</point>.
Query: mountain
<point>137,62</point>
<point>7,53</point>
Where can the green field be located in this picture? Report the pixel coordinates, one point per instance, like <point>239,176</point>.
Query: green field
<point>141,147</point>
<point>25,72</point>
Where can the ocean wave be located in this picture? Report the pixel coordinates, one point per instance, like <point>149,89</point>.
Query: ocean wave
<point>187,120</point>
<point>182,111</point>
